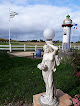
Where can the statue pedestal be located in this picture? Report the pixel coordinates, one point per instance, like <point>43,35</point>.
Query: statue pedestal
<point>64,99</point>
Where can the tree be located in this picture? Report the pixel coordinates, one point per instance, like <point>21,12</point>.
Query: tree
<point>41,40</point>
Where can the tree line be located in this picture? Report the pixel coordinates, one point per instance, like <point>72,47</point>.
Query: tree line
<point>2,40</point>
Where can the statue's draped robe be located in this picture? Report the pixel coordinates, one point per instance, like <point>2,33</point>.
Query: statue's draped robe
<point>50,61</point>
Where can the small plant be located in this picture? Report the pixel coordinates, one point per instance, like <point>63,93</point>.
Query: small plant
<point>76,61</point>
<point>67,60</point>
<point>76,100</point>
<point>78,74</point>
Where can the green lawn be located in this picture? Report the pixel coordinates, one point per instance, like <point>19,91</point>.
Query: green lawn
<point>36,43</point>
<point>21,79</point>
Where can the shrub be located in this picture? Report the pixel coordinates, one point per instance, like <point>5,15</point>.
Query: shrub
<point>76,62</point>
<point>75,91</point>
<point>64,78</point>
<point>73,60</point>
<point>67,60</point>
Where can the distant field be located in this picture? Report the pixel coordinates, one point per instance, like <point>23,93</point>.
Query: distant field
<point>37,43</point>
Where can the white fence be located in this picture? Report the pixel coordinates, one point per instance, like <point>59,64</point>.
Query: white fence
<point>26,47</point>
<point>76,47</point>
<point>19,47</point>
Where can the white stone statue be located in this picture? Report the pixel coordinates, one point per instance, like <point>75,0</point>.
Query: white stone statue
<point>48,67</point>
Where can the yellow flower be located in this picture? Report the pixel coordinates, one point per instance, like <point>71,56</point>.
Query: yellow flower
<point>32,72</point>
<point>5,101</point>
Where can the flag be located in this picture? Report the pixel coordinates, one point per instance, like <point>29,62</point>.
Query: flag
<point>75,26</point>
<point>12,14</point>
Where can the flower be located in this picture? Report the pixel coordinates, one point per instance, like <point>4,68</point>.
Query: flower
<point>32,72</point>
<point>78,96</point>
<point>76,100</point>
<point>78,74</point>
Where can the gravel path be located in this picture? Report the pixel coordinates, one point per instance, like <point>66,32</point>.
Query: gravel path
<point>25,54</point>
<point>22,54</point>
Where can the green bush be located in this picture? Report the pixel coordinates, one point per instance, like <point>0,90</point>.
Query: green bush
<point>67,60</point>
<point>75,91</point>
<point>76,61</point>
<point>65,79</point>
<point>73,60</point>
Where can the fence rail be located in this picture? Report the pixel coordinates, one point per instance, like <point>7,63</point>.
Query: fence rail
<point>4,45</point>
<point>4,48</point>
<point>76,47</point>
<point>17,45</point>
<point>27,47</point>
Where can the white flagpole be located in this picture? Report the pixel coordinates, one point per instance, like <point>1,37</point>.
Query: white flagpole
<point>11,15</point>
<point>71,36</point>
<point>9,26</point>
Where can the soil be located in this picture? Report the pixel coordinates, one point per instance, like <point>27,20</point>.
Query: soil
<point>19,103</point>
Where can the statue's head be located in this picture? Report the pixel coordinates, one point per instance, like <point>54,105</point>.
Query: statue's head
<point>47,49</point>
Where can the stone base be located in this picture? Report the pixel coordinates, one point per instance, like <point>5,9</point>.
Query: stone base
<point>64,99</point>
<point>54,102</point>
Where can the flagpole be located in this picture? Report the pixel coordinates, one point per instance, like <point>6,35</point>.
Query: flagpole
<point>71,37</point>
<point>11,15</point>
<point>9,26</point>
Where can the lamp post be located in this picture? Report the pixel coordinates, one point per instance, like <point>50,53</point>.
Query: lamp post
<point>48,66</point>
<point>11,15</point>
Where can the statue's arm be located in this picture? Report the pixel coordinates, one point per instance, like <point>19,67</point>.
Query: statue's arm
<point>54,47</point>
<point>42,66</point>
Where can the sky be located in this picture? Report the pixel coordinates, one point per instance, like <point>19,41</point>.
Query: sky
<point>37,15</point>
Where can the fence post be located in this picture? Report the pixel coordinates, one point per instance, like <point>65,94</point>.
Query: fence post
<point>35,48</point>
<point>24,47</point>
<point>74,47</point>
<point>10,48</point>
<point>78,47</point>
<point>59,46</point>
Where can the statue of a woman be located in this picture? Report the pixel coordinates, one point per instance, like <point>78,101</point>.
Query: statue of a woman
<point>48,67</point>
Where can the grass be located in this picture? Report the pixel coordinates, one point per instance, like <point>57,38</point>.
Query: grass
<point>36,43</point>
<point>21,79</point>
